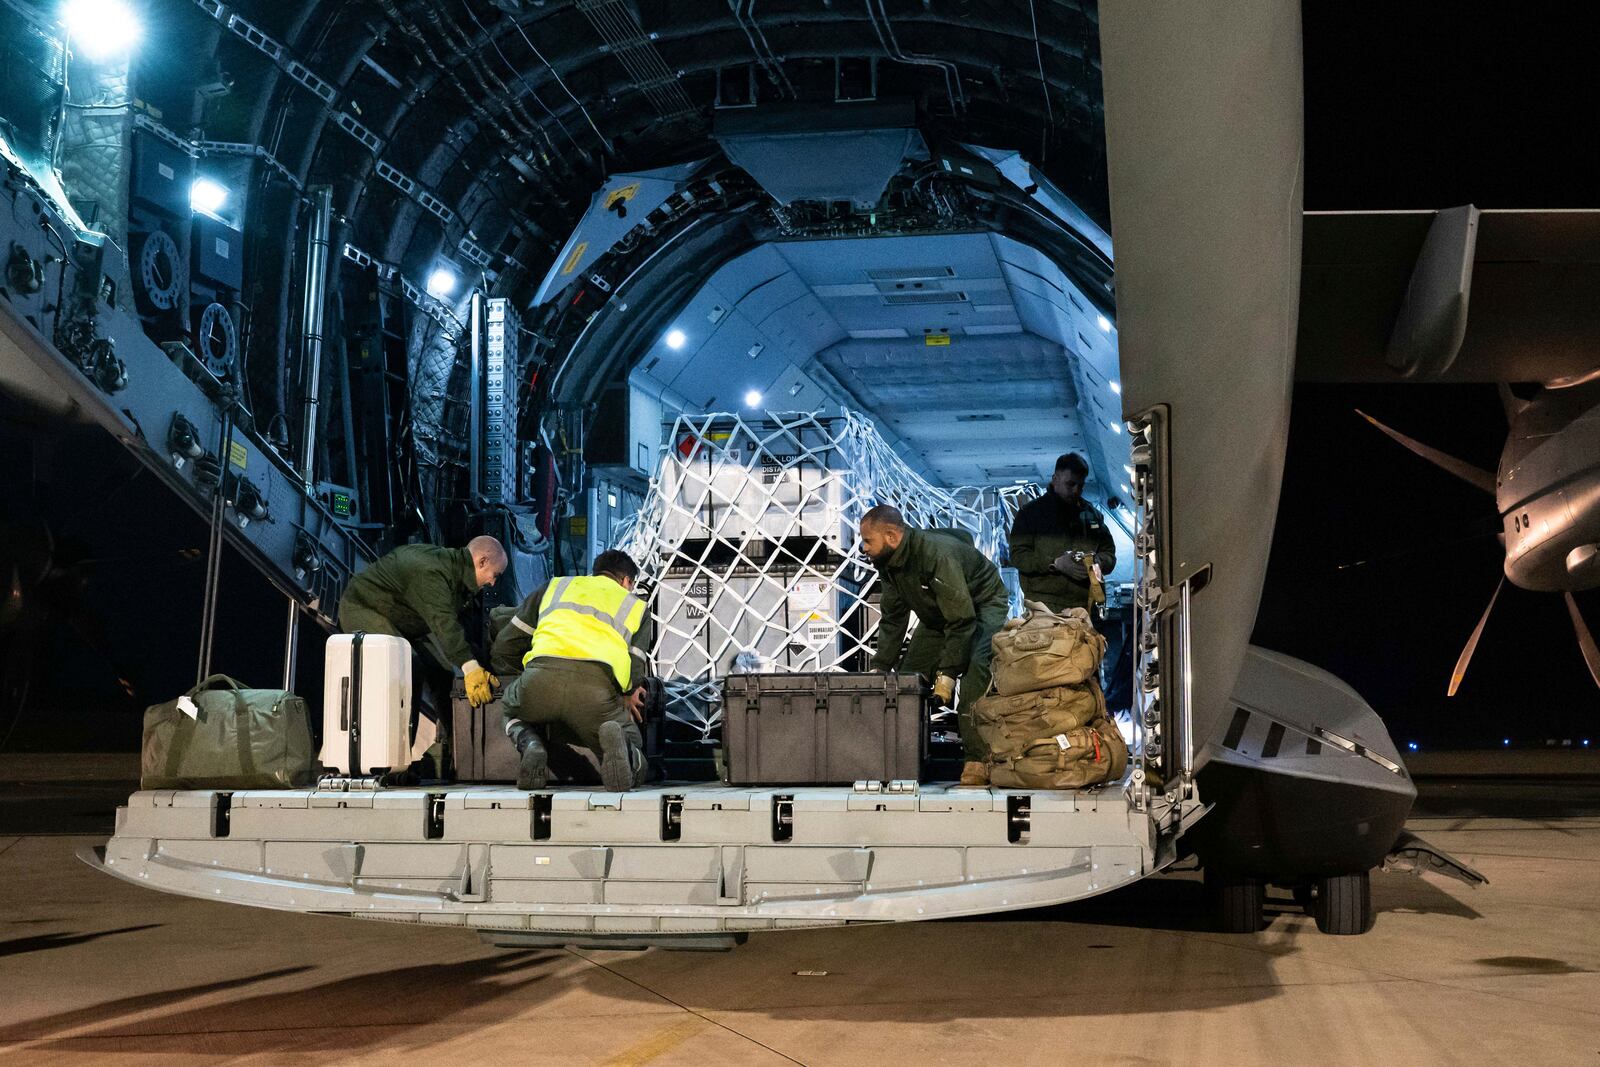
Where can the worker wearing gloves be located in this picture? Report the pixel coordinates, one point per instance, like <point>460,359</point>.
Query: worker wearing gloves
<point>418,592</point>
<point>580,677</point>
<point>960,603</point>
<point>1055,538</point>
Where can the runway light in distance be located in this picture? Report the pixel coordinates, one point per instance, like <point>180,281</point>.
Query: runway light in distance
<point>1116,387</point>
<point>1104,323</point>
<point>442,282</point>
<point>101,28</point>
<point>1412,745</point>
<point>1585,742</point>
<point>1505,742</point>
<point>207,196</point>
<point>752,399</point>
<point>675,339</point>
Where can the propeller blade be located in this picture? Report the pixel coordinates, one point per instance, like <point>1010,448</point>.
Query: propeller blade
<point>1475,476</point>
<point>1591,654</point>
<point>1472,642</point>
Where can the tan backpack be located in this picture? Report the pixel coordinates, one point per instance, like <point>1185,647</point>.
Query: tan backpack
<point>1073,759</point>
<point>1043,650</point>
<point>1009,724</point>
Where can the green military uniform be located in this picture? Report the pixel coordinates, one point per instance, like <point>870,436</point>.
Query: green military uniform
<point>419,592</point>
<point>513,632</point>
<point>1045,528</point>
<point>415,592</point>
<point>960,603</point>
<point>570,697</point>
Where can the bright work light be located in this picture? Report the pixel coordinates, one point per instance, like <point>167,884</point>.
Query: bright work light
<point>752,399</point>
<point>675,339</point>
<point>206,196</point>
<point>442,282</point>
<point>99,29</point>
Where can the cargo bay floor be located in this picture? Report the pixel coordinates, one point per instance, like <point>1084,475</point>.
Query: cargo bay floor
<point>98,970</point>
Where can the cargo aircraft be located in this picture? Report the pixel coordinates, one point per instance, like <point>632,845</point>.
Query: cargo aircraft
<point>490,248</point>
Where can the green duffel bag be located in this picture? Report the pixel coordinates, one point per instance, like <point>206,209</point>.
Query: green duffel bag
<point>220,735</point>
<point>1009,724</point>
<point>1043,650</point>
<point>1075,759</point>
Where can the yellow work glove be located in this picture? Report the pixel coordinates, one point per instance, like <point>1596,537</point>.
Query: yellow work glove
<point>944,690</point>
<point>480,685</point>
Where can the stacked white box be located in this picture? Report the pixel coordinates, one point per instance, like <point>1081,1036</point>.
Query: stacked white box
<point>749,541</point>
<point>737,481</point>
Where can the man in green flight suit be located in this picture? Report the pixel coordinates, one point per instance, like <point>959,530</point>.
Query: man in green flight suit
<point>1049,534</point>
<point>960,603</point>
<point>418,592</point>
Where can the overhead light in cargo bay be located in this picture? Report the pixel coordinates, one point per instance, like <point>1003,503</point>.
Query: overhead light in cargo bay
<point>675,339</point>
<point>442,282</point>
<point>100,29</point>
<point>753,398</point>
<point>207,196</point>
<point>1104,323</point>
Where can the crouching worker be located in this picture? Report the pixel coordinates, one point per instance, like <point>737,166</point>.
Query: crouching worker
<point>578,675</point>
<point>419,592</point>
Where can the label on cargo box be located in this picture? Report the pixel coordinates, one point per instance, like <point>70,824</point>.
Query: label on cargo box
<point>222,248</point>
<point>165,171</point>
<point>819,631</point>
<point>578,524</point>
<point>238,456</point>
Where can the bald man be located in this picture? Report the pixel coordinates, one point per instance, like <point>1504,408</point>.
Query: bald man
<point>418,592</point>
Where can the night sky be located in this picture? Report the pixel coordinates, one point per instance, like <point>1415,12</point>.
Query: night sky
<point>1428,105</point>
<point>1381,563</point>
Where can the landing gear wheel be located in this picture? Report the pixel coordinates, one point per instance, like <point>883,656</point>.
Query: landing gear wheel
<point>1344,904</point>
<point>1238,903</point>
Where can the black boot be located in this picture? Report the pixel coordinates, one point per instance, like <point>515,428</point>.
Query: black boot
<point>534,771</point>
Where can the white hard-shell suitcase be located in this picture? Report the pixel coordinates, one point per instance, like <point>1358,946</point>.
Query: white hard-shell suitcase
<point>366,703</point>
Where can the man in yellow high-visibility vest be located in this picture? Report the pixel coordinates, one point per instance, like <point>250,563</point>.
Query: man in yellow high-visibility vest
<point>578,675</point>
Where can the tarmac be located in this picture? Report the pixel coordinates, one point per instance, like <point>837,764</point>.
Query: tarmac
<point>96,970</point>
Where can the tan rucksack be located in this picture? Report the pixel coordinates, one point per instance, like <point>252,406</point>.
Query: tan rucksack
<point>1008,725</point>
<point>1073,759</point>
<point>1043,650</point>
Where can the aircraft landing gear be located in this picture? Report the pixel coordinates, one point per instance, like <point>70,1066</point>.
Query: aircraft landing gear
<point>1237,902</point>
<point>1343,904</point>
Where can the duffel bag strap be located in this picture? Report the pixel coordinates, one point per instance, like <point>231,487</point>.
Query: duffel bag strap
<point>217,681</point>
<point>241,731</point>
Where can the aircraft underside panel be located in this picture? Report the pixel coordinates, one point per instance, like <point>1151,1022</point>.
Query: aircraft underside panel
<point>665,861</point>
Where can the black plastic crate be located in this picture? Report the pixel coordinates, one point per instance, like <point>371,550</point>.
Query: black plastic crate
<point>826,728</point>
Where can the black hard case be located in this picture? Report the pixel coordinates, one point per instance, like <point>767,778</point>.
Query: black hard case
<point>826,728</point>
<point>478,743</point>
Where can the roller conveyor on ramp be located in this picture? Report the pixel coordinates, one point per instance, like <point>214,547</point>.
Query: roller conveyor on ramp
<point>688,862</point>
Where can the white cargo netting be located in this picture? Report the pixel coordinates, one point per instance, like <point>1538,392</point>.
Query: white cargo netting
<point>749,539</point>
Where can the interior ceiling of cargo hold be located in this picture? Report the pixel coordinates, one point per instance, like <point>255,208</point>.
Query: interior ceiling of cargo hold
<point>974,354</point>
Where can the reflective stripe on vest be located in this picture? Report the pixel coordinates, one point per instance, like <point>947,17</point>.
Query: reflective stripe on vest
<point>588,618</point>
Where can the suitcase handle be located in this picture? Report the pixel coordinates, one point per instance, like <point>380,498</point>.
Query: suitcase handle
<point>354,704</point>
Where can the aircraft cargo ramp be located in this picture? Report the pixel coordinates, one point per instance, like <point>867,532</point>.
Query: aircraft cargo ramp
<point>680,863</point>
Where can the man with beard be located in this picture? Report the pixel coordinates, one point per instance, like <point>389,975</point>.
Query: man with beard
<point>960,603</point>
<point>1056,537</point>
